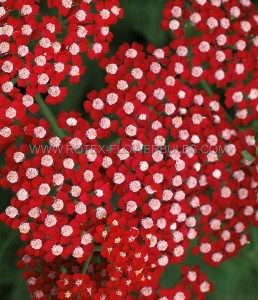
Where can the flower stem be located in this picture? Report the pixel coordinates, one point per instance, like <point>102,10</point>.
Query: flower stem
<point>49,116</point>
<point>206,87</point>
<point>86,265</point>
<point>15,80</point>
<point>97,249</point>
<point>228,116</point>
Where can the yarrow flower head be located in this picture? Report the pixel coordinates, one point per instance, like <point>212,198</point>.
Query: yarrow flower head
<point>223,40</point>
<point>38,54</point>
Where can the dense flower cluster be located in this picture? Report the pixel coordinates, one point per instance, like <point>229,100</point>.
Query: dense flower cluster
<point>139,206</point>
<point>217,41</point>
<point>192,283</point>
<point>192,153</point>
<point>40,53</point>
<point>102,221</point>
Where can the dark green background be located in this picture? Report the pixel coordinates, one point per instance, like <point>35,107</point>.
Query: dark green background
<point>236,279</point>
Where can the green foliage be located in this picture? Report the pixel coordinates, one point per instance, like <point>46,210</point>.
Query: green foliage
<point>144,17</point>
<point>12,286</point>
<point>248,156</point>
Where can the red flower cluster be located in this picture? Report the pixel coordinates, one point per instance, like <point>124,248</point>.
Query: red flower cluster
<point>217,41</point>
<point>192,284</point>
<point>39,54</point>
<point>174,148</point>
<point>175,169</point>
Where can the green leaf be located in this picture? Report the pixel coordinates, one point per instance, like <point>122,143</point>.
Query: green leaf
<point>12,285</point>
<point>145,18</point>
<point>247,155</point>
<point>19,290</point>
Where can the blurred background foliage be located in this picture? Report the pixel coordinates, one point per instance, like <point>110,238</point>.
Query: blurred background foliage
<point>236,279</point>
